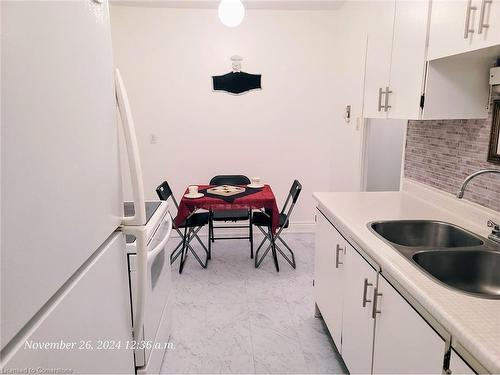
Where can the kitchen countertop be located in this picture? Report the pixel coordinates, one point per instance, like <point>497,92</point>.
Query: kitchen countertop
<point>473,322</point>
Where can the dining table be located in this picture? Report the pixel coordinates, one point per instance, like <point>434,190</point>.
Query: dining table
<point>261,198</point>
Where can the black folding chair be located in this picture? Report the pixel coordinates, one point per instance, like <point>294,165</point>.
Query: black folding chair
<point>231,215</point>
<point>193,223</point>
<point>263,219</point>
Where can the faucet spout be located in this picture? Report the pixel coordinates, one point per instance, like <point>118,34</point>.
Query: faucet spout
<point>461,192</point>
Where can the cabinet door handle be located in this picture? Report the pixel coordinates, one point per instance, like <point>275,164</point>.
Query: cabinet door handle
<point>483,25</point>
<point>337,260</point>
<point>365,291</point>
<point>387,92</point>
<point>468,11</point>
<point>376,294</point>
<point>380,93</point>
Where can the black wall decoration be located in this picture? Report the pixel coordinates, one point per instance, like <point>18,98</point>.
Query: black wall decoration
<point>237,82</point>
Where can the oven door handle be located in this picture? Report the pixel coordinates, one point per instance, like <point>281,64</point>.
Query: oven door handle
<point>154,252</point>
<point>142,269</point>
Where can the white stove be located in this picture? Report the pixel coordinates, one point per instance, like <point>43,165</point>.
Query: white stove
<point>155,211</point>
<point>157,319</point>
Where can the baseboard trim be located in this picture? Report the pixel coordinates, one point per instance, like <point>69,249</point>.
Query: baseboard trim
<point>295,227</point>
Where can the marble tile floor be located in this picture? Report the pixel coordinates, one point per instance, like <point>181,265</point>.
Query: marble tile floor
<point>234,319</point>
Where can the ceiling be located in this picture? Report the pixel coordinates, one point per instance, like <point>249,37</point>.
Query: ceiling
<point>249,4</point>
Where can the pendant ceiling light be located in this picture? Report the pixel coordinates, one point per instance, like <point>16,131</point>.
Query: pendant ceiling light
<point>231,12</point>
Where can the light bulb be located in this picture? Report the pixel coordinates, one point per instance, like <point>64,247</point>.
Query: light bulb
<point>231,12</point>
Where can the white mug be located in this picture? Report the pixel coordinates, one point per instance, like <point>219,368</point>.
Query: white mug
<point>255,180</point>
<point>193,190</point>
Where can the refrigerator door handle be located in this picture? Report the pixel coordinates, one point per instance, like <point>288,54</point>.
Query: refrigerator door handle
<point>132,148</point>
<point>153,253</point>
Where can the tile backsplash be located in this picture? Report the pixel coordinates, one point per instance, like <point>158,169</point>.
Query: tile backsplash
<point>442,153</point>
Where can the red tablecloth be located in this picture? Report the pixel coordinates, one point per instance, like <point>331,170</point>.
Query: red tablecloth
<point>262,199</point>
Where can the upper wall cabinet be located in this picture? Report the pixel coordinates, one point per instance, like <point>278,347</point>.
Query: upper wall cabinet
<point>460,26</point>
<point>378,59</point>
<point>464,43</point>
<point>458,86</point>
<point>395,62</point>
<point>423,62</point>
<point>408,59</point>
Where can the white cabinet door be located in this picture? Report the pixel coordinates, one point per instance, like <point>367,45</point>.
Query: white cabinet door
<point>378,58</point>
<point>447,28</point>
<point>93,306</point>
<point>404,342</point>
<point>350,81</point>
<point>358,324</point>
<point>61,191</point>
<point>448,35</point>
<point>458,366</point>
<point>408,59</point>
<point>485,23</point>
<point>492,33</point>
<point>328,276</point>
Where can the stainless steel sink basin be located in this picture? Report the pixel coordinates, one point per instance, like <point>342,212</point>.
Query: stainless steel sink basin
<point>473,271</point>
<point>422,233</point>
<point>447,253</point>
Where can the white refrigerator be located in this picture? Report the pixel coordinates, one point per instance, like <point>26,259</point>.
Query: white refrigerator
<point>65,298</point>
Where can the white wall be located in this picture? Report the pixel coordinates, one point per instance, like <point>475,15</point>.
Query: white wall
<point>384,154</point>
<point>293,128</point>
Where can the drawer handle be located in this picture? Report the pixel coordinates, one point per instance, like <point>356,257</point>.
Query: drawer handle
<point>365,291</point>
<point>376,294</point>
<point>337,257</point>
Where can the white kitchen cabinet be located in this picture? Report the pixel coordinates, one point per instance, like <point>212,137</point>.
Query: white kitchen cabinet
<point>447,28</point>
<point>455,26</point>
<point>458,365</point>
<point>407,79</point>
<point>404,342</point>
<point>459,58</point>
<point>458,86</point>
<point>357,323</point>
<point>492,33</point>
<point>396,58</point>
<point>352,65</point>
<point>408,61</point>
<point>378,57</point>
<point>328,275</point>
<point>374,328</point>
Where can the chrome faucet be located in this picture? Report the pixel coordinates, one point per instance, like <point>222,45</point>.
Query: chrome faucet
<point>495,233</point>
<point>460,193</point>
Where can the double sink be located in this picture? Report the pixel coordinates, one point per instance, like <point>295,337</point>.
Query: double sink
<point>447,253</point>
